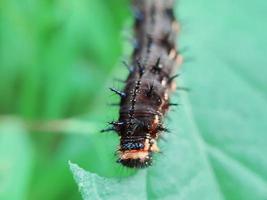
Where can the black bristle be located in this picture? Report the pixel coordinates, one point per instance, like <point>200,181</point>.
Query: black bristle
<point>157,63</point>
<point>161,128</point>
<point>107,129</point>
<point>114,104</point>
<point>156,68</point>
<point>149,42</point>
<point>127,66</point>
<point>116,124</point>
<point>119,80</point>
<point>150,90</point>
<point>138,15</point>
<point>121,94</point>
<point>173,77</point>
<point>140,68</point>
<point>183,88</point>
<point>170,14</point>
<point>173,104</point>
<point>188,59</point>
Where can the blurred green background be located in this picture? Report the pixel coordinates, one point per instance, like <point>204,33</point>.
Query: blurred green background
<point>57,59</point>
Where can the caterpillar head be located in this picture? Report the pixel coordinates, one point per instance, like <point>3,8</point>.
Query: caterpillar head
<point>136,152</point>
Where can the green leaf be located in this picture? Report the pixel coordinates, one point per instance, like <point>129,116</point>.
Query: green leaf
<point>218,142</point>
<point>192,179</point>
<point>16,158</point>
<point>93,186</point>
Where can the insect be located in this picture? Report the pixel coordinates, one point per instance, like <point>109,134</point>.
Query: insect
<point>145,98</point>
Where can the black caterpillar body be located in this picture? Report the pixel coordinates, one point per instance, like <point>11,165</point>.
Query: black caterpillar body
<point>145,98</point>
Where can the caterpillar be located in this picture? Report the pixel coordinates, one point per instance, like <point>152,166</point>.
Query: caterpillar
<point>145,98</point>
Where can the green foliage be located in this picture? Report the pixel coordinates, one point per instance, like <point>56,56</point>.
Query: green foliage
<point>93,186</point>
<point>16,160</point>
<point>57,59</point>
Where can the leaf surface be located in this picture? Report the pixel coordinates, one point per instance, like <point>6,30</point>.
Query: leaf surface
<point>218,142</point>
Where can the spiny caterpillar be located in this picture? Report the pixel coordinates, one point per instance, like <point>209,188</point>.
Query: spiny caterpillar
<point>145,98</point>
